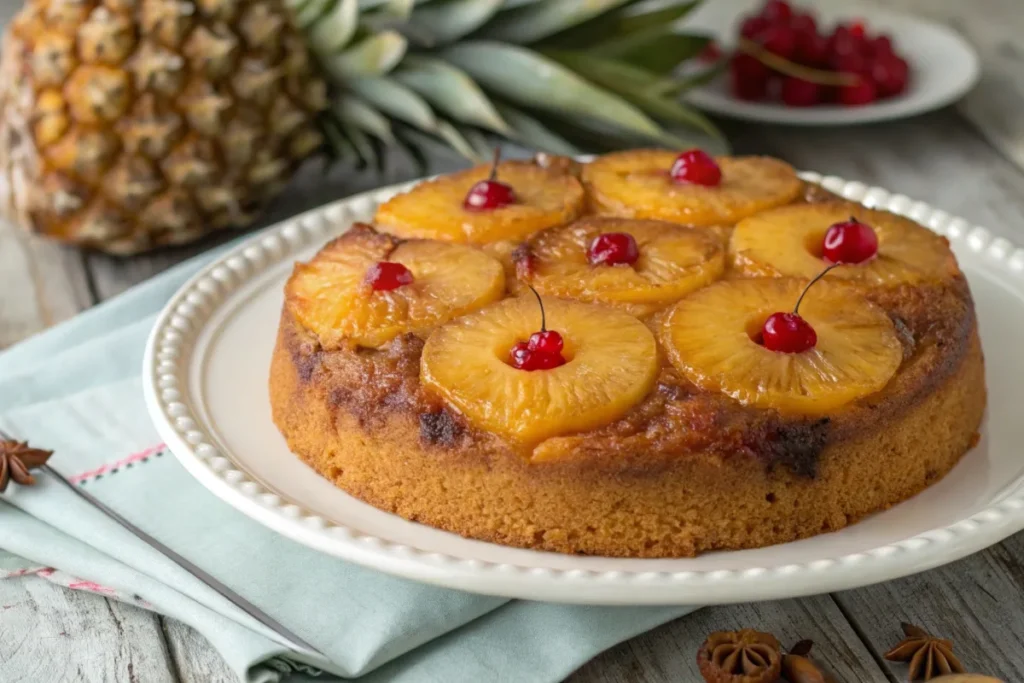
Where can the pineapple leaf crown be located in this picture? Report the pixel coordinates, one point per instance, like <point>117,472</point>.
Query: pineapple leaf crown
<point>554,75</point>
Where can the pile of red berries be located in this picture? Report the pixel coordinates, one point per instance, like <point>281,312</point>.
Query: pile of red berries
<point>874,68</point>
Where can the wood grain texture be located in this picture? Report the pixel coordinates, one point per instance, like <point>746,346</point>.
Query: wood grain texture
<point>49,634</point>
<point>194,660</point>
<point>994,28</point>
<point>668,654</point>
<point>976,602</point>
<point>40,284</point>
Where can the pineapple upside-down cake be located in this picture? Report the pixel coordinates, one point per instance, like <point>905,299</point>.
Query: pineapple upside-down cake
<point>649,355</point>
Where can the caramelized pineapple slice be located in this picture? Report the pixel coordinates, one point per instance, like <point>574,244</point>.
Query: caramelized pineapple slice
<point>637,184</point>
<point>711,337</point>
<point>612,364</point>
<point>788,241</point>
<point>674,260</point>
<point>330,297</point>
<point>434,209</point>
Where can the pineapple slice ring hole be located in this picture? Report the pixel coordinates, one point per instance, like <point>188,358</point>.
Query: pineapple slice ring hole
<point>815,244</point>
<point>754,327</point>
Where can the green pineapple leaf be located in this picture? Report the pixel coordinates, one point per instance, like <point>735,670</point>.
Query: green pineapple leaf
<point>658,50</point>
<point>527,78</point>
<point>338,145</point>
<point>450,134</point>
<point>366,153</point>
<point>355,112</point>
<point>637,86</point>
<point>332,31</point>
<point>677,86</point>
<point>396,100</point>
<point>622,22</point>
<point>533,133</point>
<point>372,56</point>
<point>600,73</point>
<point>451,91</point>
<point>415,149</point>
<point>310,12</point>
<point>449,20</point>
<point>483,148</point>
<point>539,20</point>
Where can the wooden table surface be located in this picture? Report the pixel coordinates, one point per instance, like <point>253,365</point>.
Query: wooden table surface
<point>960,159</point>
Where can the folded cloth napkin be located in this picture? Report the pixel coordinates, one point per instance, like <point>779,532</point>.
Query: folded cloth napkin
<point>76,389</point>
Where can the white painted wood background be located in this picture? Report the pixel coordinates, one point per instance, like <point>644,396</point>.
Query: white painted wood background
<point>968,160</point>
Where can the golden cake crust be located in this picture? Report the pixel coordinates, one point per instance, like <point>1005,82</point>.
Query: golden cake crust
<point>684,472</point>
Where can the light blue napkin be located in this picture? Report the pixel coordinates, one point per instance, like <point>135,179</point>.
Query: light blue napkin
<point>76,389</point>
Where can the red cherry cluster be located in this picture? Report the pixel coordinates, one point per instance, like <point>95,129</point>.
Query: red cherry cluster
<point>490,194</point>
<point>846,243</point>
<point>384,276</point>
<point>871,67</point>
<point>544,349</point>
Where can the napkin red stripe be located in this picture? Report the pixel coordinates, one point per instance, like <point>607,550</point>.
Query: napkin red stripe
<point>117,464</point>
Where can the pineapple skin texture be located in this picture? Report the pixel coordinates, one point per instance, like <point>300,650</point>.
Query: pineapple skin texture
<point>126,125</point>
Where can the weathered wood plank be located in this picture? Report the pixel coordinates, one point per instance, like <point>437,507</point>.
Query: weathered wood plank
<point>668,654</point>
<point>51,634</point>
<point>40,284</point>
<point>994,28</point>
<point>194,658</point>
<point>976,602</point>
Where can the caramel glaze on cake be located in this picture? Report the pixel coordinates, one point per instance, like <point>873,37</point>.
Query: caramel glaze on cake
<point>683,472</point>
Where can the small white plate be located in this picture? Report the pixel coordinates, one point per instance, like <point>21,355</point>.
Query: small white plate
<point>206,371</point>
<point>943,66</point>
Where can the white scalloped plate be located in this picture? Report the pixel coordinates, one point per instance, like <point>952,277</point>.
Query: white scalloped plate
<point>205,375</point>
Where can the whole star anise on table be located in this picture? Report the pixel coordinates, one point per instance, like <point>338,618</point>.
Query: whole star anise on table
<point>746,656</point>
<point>16,459</point>
<point>928,656</point>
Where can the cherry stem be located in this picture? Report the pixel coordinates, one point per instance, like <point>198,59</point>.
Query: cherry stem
<point>817,277</point>
<point>494,164</point>
<point>789,68</point>
<point>543,320</point>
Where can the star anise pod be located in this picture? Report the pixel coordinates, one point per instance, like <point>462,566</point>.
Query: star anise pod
<point>746,656</point>
<point>16,459</point>
<point>797,666</point>
<point>928,656</point>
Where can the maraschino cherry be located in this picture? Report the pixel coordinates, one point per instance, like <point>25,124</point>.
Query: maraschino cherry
<point>849,242</point>
<point>696,167</point>
<point>788,332</point>
<point>544,349</point>
<point>612,249</point>
<point>385,276</point>
<point>490,194</point>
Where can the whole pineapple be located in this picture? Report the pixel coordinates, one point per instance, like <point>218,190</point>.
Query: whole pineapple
<point>130,124</point>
